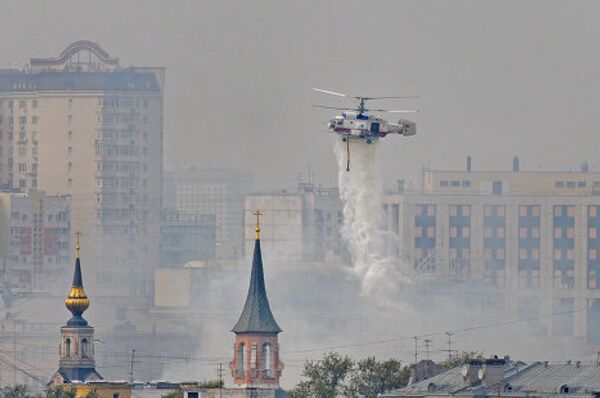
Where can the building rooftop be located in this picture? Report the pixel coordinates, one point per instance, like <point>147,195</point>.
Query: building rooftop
<point>537,378</point>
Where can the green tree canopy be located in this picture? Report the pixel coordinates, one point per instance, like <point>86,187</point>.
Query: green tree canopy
<point>460,358</point>
<point>337,375</point>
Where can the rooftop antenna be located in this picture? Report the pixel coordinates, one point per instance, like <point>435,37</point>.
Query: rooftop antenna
<point>449,341</point>
<point>416,351</point>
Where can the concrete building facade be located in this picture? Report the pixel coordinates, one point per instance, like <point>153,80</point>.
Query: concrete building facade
<point>533,235</point>
<point>214,191</point>
<point>186,237</point>
<point>34,240</point>
<point>82,125</point>
<point>301,225</point>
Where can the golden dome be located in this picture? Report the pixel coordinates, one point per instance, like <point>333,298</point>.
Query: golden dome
<point>77,302</point>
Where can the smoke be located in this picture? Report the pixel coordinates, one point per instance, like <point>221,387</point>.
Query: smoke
<point>360,190</point>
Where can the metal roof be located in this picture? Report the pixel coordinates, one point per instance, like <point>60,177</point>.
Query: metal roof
<point>540,378</point>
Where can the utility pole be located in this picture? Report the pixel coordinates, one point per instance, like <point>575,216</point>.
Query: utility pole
<point>131,362</point>
<point>427,346</point>
<point>449,334</point>
<point>220,373</point>
<point>416,351</point>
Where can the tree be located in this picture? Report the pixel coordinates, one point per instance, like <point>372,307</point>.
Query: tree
<point>323,378</point>
<point>460,358</point>
<point>16,391</point>
<point>370,377</point>
<point>61,392</point>
<point>173,394</point>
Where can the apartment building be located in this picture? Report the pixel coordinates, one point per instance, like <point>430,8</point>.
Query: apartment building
<point>300,225</point>
<point>81,124</point>
<point>214,191</point>
<point>34,240</point>
<point>533,235</point>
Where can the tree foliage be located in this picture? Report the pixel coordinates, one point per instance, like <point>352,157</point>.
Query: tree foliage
<point>173,394</point>
<point>16,391</point>
<point>371,377</point>
<point>460,358</point>
<point>337,375</point>
<point>216,383</point>
<point>323,378</point>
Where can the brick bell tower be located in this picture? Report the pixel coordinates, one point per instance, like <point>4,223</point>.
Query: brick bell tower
<point>256,350</point>
<point>76,351</point>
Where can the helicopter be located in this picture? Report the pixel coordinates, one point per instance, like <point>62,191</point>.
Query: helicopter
<point>356,124</point>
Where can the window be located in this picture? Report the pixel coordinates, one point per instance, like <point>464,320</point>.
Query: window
<point>116,395</point>
<point>267,354</point>
<point>455,183</point>
<point>444,183</point>
<point>22,104</point>
<point>570,184</point>
<point>34,119</point>
<point>253,356</point>
<point>466,183</point>
<point>67,347</point>
<point>84,348</point>
<point>559,184</point>
<point>241,360</point>
<point>497,188</point>
<point>34,104</point>
<point>581,184</point>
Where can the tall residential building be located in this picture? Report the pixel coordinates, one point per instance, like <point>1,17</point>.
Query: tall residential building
<point>34,240</point>
<point>303,224</point>
<point>215,191</point>
<point>535,236</point>
<point>81,124</point>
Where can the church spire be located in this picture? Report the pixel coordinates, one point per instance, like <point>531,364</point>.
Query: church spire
<point>77,302</point>
<point>256,316</point>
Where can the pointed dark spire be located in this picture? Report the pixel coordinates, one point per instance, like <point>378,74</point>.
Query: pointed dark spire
<point>77,278</point>
<point>256,316</point>
<point>77,302</point>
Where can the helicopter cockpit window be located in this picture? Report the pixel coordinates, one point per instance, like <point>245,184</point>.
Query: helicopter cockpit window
<point>339,122</point>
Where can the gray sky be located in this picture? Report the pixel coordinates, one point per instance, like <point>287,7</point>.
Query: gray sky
<point>496,78</point>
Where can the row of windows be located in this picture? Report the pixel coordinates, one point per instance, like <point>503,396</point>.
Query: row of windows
<point>22,104</point>
<point>571,184</point>
<point>123,102</point>
<point>455,183</point>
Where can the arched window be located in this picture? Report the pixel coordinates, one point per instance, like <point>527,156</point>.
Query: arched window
<point>564,389</point>
<point>84,348</point>
<point>241,359</point>
<point>253,356</point>
<point>267,354</point>
<point>68,347</point>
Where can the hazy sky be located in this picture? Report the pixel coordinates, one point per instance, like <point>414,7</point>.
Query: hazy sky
<point>496,78</point>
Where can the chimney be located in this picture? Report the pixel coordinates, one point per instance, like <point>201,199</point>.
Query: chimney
<point>585,167</point>
<point>493,372</point>
<point>516,164</point>
<point>470,371</point>
<point>469,164</point>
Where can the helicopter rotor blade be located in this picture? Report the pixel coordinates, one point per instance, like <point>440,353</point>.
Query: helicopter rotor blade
<point>320,90</point>
<point>397,97</point>
<point>334,107</point>
<point>393,111</point>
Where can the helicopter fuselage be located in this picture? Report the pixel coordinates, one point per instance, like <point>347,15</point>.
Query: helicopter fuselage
<point>354,125</point>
